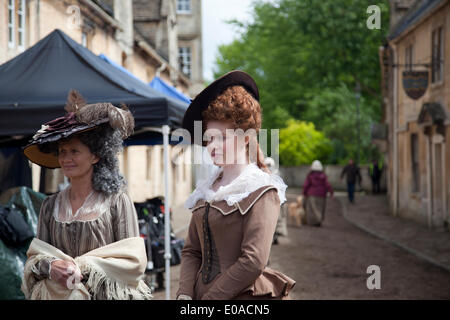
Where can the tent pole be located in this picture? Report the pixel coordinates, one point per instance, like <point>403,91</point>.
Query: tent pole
<point>167,255</point>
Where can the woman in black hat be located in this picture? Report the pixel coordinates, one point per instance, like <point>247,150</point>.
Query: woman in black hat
<point>91,214</point>
<point>235,210</point>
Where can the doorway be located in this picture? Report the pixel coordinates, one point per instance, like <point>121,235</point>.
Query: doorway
<point>438,185</point>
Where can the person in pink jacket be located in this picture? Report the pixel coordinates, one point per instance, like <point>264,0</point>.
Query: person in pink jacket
<point>315,189</point>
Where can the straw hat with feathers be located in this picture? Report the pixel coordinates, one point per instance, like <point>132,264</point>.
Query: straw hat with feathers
<point>80,117</point>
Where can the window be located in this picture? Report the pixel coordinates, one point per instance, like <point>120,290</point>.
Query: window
<point>21,23</point>
<point>11,16</point>
<point>409,58</point>
<point>16,23</point>
<point>87,33</point>
<point>84,39</point>
<point>415,162</point>
<point>183,6</point>
<point>184,58</point>
<point>437,59</point>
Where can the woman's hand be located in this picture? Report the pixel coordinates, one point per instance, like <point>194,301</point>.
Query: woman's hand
<point>66,273</point>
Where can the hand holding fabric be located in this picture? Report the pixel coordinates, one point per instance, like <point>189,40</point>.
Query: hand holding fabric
<point>66,273</point>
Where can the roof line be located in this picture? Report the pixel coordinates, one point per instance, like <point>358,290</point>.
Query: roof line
<point>421,17</point>
<point>97,9</point>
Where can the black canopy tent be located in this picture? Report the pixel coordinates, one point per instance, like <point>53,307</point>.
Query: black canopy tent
<point>34,87</point>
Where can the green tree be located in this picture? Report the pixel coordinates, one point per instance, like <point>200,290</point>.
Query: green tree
<point>301,143</point>
<point>301,51</point>
<point>334,110</point>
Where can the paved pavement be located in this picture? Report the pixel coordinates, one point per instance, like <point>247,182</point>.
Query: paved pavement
<point>331,262</point>
<point>372,215</point>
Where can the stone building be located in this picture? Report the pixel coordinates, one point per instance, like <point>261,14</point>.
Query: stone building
<point>107,27</point>
<point>416,91</point>
<point>174,29</point>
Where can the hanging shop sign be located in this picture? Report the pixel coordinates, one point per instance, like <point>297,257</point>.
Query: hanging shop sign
<point>415,83</point>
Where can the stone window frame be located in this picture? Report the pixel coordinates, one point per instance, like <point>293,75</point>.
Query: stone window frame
<point>21,26</point>
<point>11,23</point>
<point>441,54</point>
<point>16,24</point>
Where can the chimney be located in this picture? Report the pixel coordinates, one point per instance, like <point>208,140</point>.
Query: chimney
<point>168,10</point>
<point>123,12</point>
<point>398,8</point>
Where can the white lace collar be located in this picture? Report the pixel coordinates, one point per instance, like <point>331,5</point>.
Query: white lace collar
<point>95,204</point>
<point>250,179</point>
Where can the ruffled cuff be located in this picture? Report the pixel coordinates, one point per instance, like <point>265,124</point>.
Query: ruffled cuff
<point>43,267</point>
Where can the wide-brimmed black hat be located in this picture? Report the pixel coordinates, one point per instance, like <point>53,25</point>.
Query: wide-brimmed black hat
<point>211,92</point>
<point>80,117</point>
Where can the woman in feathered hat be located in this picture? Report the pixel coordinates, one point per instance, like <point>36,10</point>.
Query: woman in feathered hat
<point>235,210</point>
<point>87,244</point>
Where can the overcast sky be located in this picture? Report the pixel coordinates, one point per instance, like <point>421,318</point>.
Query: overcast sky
<point>216,31</point>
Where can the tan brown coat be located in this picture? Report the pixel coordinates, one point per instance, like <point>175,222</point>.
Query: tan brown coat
<point>243,236</point>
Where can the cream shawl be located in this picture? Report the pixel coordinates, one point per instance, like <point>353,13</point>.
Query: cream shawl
<point>118,265</point>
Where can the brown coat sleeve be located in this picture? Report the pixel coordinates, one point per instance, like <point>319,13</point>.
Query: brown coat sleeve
<point>191,260</point>
<point>258,230</point>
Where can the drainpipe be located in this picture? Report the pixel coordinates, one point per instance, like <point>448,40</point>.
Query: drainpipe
<point>37,20</point>
<point>444,193</point>
<point>172,38</point>
<point>395,122</point>
<point>429,198</point>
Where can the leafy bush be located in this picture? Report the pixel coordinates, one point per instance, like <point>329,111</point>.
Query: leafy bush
<point>301,143</point>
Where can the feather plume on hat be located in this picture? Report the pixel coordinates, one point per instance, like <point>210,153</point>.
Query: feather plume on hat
<point>74,102</point>
<point>119,118</point>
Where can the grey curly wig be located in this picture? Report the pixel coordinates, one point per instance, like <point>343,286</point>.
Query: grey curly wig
<point>106,143</point>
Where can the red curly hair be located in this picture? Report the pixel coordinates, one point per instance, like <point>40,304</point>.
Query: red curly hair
<point>237,105</point>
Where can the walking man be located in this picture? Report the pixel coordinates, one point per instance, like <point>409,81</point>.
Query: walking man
<point>352,172</point>
<point>375,171</point>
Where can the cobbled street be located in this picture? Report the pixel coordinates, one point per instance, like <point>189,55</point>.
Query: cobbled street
<point>331,262</point>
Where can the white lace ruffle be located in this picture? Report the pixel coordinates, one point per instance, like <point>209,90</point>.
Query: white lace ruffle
<point>250,179</point>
